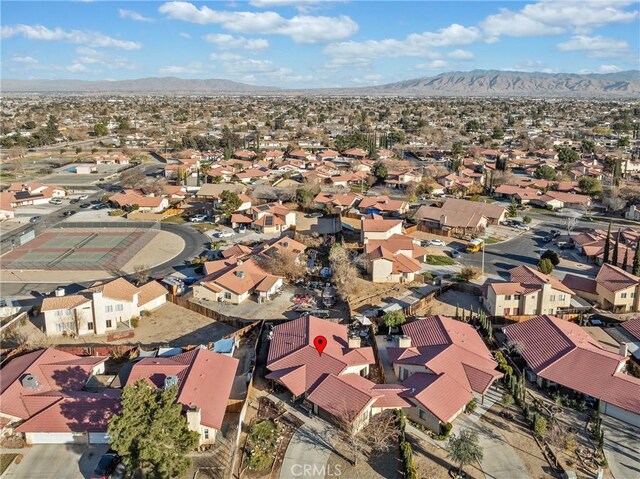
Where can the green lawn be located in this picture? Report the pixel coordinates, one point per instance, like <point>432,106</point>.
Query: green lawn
<point>491,240</point>
<point>439,260</point>
<point>542,211</point>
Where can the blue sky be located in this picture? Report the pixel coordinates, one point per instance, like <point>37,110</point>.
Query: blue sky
<point>310,43</point>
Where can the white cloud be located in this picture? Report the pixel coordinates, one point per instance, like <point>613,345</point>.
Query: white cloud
<point>77,68</point>
<point>597,46</point>
<point>226,41</point>
<point>282,3</point>
<point>368,79</point>
<point>531,66</point>
<point>134,16</point>
<point>352,63</point>
<point>85,37</point>
<point>185,35</point>
<point>434,65</point>
<point>460,55</point>
<point>191,68</point>
<point>29,60</point>
<point>301,28</point>
<point>225,57</point>
<point>553,17</point>
<point>609,69</point>
<point>414,45</point>
<point>250,66</point>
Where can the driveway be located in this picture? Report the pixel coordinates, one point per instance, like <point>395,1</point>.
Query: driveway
<point>621,447</point>
<point>308,452</point>
<point>55,461</point>
<point>500,460</point>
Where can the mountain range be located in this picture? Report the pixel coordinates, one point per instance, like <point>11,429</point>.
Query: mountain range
<point>487,83</point>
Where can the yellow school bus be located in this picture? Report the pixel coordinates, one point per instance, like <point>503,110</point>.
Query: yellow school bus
<point>474,246</point>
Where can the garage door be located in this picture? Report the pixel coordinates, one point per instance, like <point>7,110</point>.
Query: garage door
<point>619,413</point>
<point>98,438</point>
<point>56,438</point>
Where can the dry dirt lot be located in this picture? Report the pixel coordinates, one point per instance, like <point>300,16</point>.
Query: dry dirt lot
<point>432,462</point>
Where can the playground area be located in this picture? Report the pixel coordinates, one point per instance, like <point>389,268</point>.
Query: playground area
<point>79,249</point>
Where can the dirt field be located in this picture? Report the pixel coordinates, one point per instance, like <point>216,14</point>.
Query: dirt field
<point>446,304</point>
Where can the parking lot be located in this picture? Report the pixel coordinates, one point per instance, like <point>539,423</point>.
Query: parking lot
<point>55,461</point>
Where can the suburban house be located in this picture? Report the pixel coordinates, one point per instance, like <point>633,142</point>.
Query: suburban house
<point>516,193</point>
<point>355,153</point>
<point>204,380</point>
<point>528,292</point>
<point>394,260</point>
<point>146,204</point>
<point>443,364</point>
<point>339,201</point>
<point>100,308</point>
<point>29,194</point>
<point>374,227</point>
<point>333,382</point>
<point>233,280</point>
<point>382,205</point>
<point>459,216</point>
<point>613,288</point>
<point>272,218</point>
<point>569,357</point>
<point>42,396</point>
<point>212,191</point>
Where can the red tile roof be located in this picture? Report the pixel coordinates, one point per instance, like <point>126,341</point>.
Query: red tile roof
<point>54,370</point>
<point>615,279</point>
<point>457,358</point>
<point>205,379</point>
<point>633,326</point>
<point>292,346</point>
<point>564,353</point>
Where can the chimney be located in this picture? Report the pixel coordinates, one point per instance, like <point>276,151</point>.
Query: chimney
<point>443,220</point>
<point>240,274</point>
<point>404,341</point>
<point>354,342</point>
<point>59,292</point>
<point>623,349</point>
<point>193,418</point>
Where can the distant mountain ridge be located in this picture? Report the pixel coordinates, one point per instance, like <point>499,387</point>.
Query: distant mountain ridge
<point>624,84</point>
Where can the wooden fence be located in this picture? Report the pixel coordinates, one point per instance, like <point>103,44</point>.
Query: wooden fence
<point>185,302</point>
<point>434,231</point>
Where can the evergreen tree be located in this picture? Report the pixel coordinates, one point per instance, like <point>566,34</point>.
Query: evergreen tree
<point>614,258</point>
<point>626,259</point>
<point>150,433</point>
<point>636,260</point>
<point>607,245</point>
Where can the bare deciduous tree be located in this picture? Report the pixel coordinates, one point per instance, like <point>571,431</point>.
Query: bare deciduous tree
<point>344,272</point>
<point>284,263</point>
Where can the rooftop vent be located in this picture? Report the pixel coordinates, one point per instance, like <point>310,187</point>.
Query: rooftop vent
<point>170,381</point>
<point>29,381</point>
<point>59,292</point>
<point>240,274</point>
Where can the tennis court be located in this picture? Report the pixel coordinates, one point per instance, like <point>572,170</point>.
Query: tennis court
<point>84,250</point>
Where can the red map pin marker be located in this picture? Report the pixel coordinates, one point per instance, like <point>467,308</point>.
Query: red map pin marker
<point>320,342</point>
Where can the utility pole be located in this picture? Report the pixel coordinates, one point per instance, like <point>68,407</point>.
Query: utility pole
<point>483,258</point>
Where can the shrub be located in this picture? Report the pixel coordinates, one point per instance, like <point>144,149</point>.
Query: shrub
<point>470,272</point>
<point>539,425</point>
<point>551,256</point>
<point>135,321</point>
<point>471,406</point>
<point>117,212</point>
<point>526,219</point>
<point>545,266</point>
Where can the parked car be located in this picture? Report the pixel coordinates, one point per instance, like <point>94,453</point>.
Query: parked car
<point>315,215</point>
<point>225,234</point>
<point>85,205</point>
<point>68,213</point>
<point>522,227</point>
<point>554,233</point>
<point>198,218</point>
<point>242,230</point>
<point>83,197</point>
<point>455,253</point>
<point>55,201</point>
<point>437,242</point>
<point>35,219</point>
<point>425,243</point>
<point>120,472</point>
<point>107,464</point>
<point>74,201</point>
